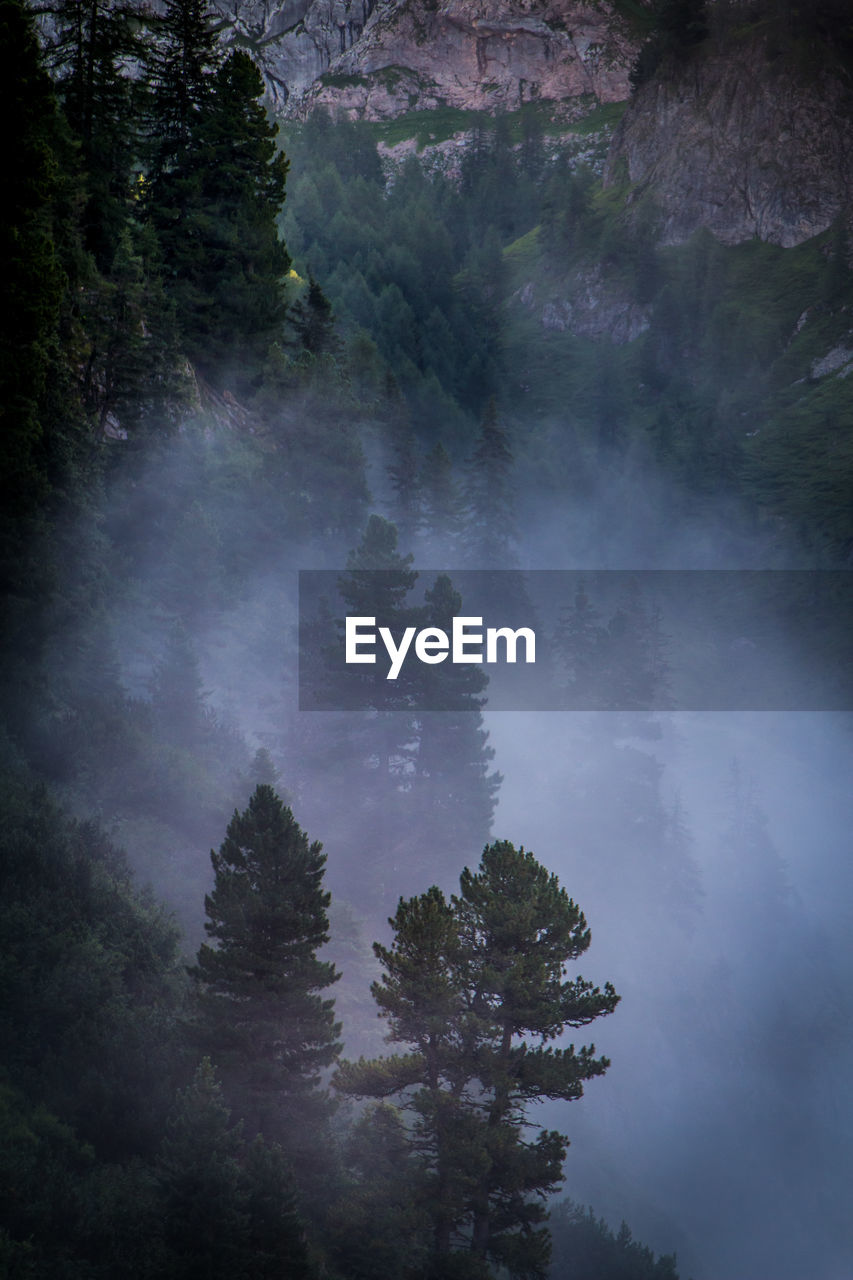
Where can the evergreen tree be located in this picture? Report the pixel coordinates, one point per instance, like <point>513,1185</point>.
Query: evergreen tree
<point>183,62</point>
<point>491,528</point>
<point>131,381</point>
<point>314,321</point>
<point>261,1007</point>
<point>204,1219</point>
<point>376,584</point>
<point>381,733</point>
<point>585,1248</point>
<point>178,696</point>
<point>379,1226</point>
<point>454,791</point>
<point>226,1209</point>
<point>34,279</point>
<point>442,513</point>
<point>616,665</point>
<point>403,468</point>
<point>93,45</point>
<point>476,988</point>
<point>276,1248</point>
<point>216,187</point>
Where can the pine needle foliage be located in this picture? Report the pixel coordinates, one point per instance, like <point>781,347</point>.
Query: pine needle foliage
<point>262,1010</point>
<point>476,987</point>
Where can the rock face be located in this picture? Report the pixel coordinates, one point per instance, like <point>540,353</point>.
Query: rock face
<point>741,142</point>
<point>376,60</point>
<point>587,305</point>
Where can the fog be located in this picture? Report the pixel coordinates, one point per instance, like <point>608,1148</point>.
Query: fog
<point>722,1126</point>
<point>709,851</point>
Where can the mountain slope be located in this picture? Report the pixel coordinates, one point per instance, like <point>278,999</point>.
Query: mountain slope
<point>379,60</point>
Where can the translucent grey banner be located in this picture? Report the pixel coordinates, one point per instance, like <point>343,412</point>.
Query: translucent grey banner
<point>601,640</point>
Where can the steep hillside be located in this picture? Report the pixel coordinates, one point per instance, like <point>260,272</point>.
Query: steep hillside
<point>747,135</point>
<point>377,60</point>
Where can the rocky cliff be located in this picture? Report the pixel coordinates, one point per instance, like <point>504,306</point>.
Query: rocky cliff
<point>378,59</point>
<point>742,139</point>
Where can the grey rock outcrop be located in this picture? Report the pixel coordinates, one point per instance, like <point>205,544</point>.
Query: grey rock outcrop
<point>587,305</point>
<point>740,143</point>
<point>374,60</point>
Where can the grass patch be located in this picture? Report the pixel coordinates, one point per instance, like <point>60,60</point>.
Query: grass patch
<point>341,80</point>
<point>606,115</point>
<point>523,254</point>
<point>431,127</point>
<point>426,127</point>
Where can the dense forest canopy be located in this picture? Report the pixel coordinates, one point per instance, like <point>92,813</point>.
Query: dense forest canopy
<point>235,348</point>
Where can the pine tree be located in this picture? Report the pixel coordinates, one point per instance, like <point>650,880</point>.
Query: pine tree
<point>381,732</point>
<point>442,514</point>
<point>216,186</point>
<point>617,665</point>
<point>203,1214</point>
<point>131,380</point>
<point>491,525</point>
<point>476,988</point>
<point>276,1247</point>
<point>227,1209</point>
<point>261,1008</point>
<point>33,277</point>
<point>454,792</point>
<point>178,696</point>
<point>94,43</point>
<point>376,584</point>
<point>314,321</point>
<point>403,467</point>
<point>183,62</point>
<point>578,637</point>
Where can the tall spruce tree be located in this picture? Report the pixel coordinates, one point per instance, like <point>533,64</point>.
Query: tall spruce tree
<point>203,1217</point>
<point>33,150</point>
<point>490,531</point>
<point>382,734</point>
<point>182,65</point>
<point>476,988</point>
<point>262,1011</point>
<point>216,186</point>
<point>454,790</point>
<point>442,514</point>
<point>227,1208</point>
<point>94,43</point>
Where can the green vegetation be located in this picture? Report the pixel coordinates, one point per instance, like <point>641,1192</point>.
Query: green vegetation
<point>342,80</point>
<point>476,988</point>
<point>426,127</point>
<point>182,428</point>
<point>604,115</point>
<point>715,383</point>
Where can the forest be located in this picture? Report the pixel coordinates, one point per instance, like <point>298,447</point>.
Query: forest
<point>294,993</point>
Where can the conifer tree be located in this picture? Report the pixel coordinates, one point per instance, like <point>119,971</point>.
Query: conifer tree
<point>314,321</point>
<point>442,507</point>
<point>92,46</point>
<point>33,276</point>
<point>227,1209</point>
<point>476,988</point>
<point>216,187</point>
<point>403,467</point>
<point>376,584</point>
<point>454,791</point>
<point>381,735</point>
<point>491,523</point>
<point>260,987</point>
<point>203,1215</point>
<point>183,63</point>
